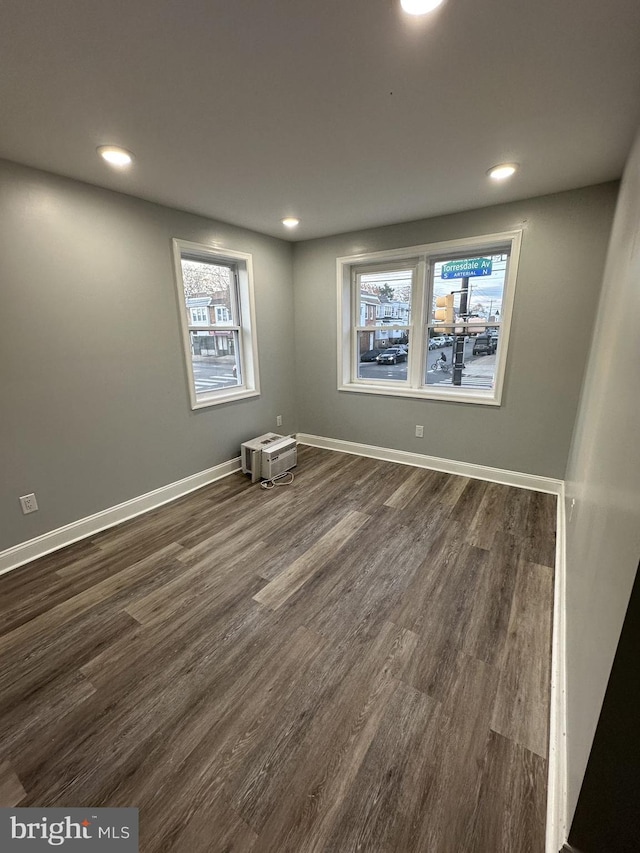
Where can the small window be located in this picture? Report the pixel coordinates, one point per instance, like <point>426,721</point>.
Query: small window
<point>199,317</point>
<point>222,314</point>
<point>215,295</point>
<point>429,321</point>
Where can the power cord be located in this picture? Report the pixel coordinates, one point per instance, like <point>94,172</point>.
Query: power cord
<point>276,481</point>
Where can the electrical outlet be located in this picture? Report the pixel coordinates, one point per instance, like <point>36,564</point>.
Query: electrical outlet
<point>279,420</point>
<point>573,503</point>
<point>28,504</point>
<point>419,431</point>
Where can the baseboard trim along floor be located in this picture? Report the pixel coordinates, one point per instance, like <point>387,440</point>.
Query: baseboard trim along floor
<point>435,463</point>
<point>556,834</point>
<point>557,830</point>
<point>92,524</point>
<point>360,659</point>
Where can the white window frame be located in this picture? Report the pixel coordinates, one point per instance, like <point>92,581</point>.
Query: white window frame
<point>219,311</point>
<point>244,305</point>
<point>421,259</point>
<point>199,320</point>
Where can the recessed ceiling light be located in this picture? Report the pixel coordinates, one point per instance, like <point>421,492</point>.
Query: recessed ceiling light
<point>504,170</point>
<point>290,221</point>
<point>419,7</point>
<point>115,156</point>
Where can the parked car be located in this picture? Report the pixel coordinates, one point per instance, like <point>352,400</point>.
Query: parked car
<point>485,345</point>
<point>392,355</point>
<point>437,342</point>
<point>370,355</point>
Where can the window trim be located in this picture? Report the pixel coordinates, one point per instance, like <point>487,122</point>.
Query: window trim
<point>425,253</point>
<point>218,310</point>
<point>242,262</point>
<point>196,322</point>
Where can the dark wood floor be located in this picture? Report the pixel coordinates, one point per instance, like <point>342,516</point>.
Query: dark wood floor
<point>357,662</point>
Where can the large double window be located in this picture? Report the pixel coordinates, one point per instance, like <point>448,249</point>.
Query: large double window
<point>428,321</point>
<point>215,298</point>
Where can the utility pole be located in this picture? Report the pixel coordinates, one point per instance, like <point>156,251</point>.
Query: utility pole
<point>458,346</point>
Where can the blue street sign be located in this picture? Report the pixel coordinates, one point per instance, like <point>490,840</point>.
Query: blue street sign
<point>466,268</point>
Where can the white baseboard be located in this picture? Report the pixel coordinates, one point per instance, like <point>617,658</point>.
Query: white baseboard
<point>435,463</point>
<point>557,788</point>
<point>92,524</point>
<point>556,825</point>
<point>557,829</point>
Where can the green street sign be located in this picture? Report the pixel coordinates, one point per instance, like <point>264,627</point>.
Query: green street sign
<point>466,268</point>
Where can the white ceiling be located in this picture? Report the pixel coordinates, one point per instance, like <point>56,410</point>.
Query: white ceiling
<point>346,114</point>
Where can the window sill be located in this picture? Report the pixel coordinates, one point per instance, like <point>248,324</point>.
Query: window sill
<point>451,395</point>
<point>225,397</point>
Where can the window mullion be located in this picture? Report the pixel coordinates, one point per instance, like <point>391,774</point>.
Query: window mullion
<point>389,328</point>
<point>353,334</point>
<point>236,313</point>
<point>416,334</point>
<point>214,328</point>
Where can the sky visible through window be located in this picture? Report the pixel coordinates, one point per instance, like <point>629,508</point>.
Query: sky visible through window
<point>485,292</point>
<point>398,280</point>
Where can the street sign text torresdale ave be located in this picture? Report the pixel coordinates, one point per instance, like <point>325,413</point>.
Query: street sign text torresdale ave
<point>466,267</point>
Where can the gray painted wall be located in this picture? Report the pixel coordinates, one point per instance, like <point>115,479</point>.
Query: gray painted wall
<point>603,478</point>
<point>95,406</point>
<point>562,260</point>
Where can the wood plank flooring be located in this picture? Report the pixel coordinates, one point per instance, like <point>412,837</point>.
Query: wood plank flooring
<point>357,662</point>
